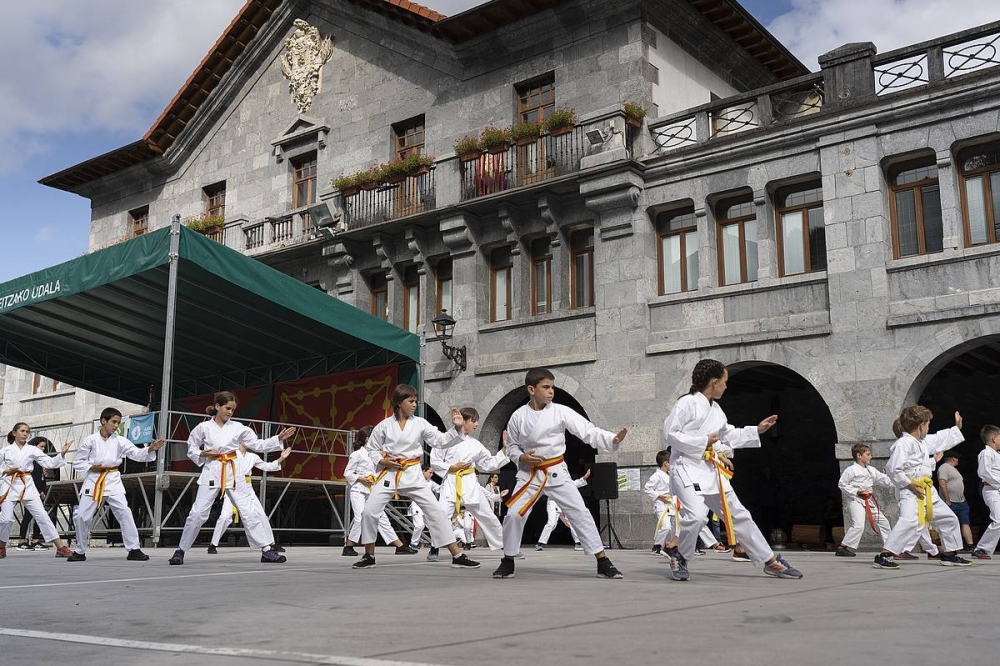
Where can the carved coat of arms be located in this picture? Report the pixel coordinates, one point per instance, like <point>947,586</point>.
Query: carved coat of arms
<point>304,56</point>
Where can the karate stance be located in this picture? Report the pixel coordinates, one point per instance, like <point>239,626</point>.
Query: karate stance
<point>97,461</point>
<point>213,445</point>
<point>989,472</point>
<point>536,442</point>
<point>246,461</point>
<point>17,459</point>
<point>857,484</point>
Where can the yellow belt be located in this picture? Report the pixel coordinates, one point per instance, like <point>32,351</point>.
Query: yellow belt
<point>15,474</point>
<point>399,472</point>
<point>458,485</point>
<point>99,484</point>
<point>721,471</point>
<point>677,516</point>
<point>925,504</point>
<point>227,460</point>
<point>543,468</point>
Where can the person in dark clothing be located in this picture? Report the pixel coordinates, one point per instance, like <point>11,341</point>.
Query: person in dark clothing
<point>38,475</point>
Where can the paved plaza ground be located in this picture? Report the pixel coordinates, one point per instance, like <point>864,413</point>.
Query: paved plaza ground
<point>230,609</point>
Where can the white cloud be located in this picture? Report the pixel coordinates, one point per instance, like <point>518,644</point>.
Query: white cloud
<point>44,235</point>
<point>813,27</point>
<point>96,65</point>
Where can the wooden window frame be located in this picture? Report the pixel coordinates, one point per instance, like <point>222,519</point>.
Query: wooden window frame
<point>573,272</point>
<point>409,285</point>
<point>526,91</point>
<point>441,278</point>
<point>508,267</point>
<point>215,199</point>
<point>779,214</point>
<point>721,224</point>
<point>300,166</point>
<point>139,219</point>
<point>918,204</point>
<point>545,259</point>
<point>683,232</point>
<point>381,288</point>
<point>414,127</point>
<point>984,173</point>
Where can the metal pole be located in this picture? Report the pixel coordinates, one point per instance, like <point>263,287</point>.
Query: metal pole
<point>167,378</point>
<point>420,371</point>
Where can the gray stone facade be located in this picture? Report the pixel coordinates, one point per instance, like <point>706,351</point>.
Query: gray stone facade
<point>867,334</point>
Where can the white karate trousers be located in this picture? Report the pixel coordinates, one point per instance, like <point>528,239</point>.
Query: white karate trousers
<point>87,510</point>
<point>694,518</point>
<point>859,519</point>
<point>554,514</point>
<point>483,513</point>
<point>567,496</point>
<point>906,531</point>
<point>990,537</point>
<point>256,525</point>
<point>665,524</point>
<point>32,504</point>
<point>439,526</point>
<point>358,501</point>
<point>226,519</point>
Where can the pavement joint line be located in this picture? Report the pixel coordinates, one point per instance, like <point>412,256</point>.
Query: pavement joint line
<point>665,611</point>
<point>137,580</point>
<point>243,653</point>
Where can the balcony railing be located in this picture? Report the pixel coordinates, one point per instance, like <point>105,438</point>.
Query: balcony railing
<point>390,201</point>
<point>543,158</point>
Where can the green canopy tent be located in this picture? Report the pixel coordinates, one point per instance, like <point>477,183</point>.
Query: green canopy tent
<point>176,313</point>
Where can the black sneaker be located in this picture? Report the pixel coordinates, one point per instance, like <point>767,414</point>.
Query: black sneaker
<point>212,550</point>
<point>464,562</point>
<point>405,549</point>
<point>968,548</point>
<point>506,568</point>
<point>935,556</point>
<point>844,551</point>
<point>349,552</point>
<point>679,568</point>
<point>884,561</point>
<point>272,556</point>
<point>177,557</point>
<point>740,557</point>
<point>607,570</point>
<point>953,560</point>
<point>137,556</point>
<point>366,562</point>
<point>981,554</point>
<point>656,549</point>
<point>25,546</point>
<point>76,557</point>
<point>276,548</point>
<point>432,554</point>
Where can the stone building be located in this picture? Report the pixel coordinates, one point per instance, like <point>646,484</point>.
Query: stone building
<point>832,235</point>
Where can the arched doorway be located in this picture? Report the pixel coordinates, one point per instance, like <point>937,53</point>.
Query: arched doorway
<point>579,458</point>
<point>792,478</point>
<point>963,379</point>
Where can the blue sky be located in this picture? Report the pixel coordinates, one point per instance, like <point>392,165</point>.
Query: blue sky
<point>98,73</point>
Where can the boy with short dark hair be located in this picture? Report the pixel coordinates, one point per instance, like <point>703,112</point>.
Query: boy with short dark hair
<point>536,442</point>
<point>857,483</point>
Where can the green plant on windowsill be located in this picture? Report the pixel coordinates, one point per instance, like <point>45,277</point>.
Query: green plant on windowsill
<point>634,114</point>
<point>494,139</point>
<point>207,224</point>
<point>468,148</point>
<point>523,133</point>
<point>561,121</point>
<point>415,164</point>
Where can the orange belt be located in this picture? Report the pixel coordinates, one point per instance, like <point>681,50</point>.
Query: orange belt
<point>721,472</point>
<point>869,501</point>
<point>99,485</point>
<point>543,468</point>
<point>15,473</point>
<point>399,472</point>
<point>229,460</point>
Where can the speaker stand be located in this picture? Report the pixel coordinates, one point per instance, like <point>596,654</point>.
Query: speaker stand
<point>610,529</point>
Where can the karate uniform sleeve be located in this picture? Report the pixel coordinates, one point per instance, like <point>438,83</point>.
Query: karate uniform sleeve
<point>894,467</point>
<point>351,471</point>
<point>438,463</point>
<point>514,445</point>
<point>652,488</point>
<point>376,443</point>
<point>195,441</point>
<point>846,483</point>
<point>944,440</point>
<point>248,438</point>
<point>746,437</point>
<point>488,463</point>
<point>436,439</point>
<point>490,495</point>
<point>81,461</point>
<point>47,461</point>
<point>127,449</point>
<point>674,435</point>
<point>989,468</point>
<point>263,466</point>
<point>881,479</point>
<point>595,437</point>
<point>580,483</point>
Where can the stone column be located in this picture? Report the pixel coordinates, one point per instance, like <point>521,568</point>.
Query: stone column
<point>848,76</point>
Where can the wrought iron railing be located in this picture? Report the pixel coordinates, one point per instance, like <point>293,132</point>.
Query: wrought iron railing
<point>519,165</point>
<point>938,59</point>
<point>390,201</point>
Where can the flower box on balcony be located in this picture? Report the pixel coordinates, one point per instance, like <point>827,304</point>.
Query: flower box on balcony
<point>562,121</point>
<point>467,148</point>
<point>494,140</point>
<point>207,225</point>
<point>634,115</point>
<point>525,134</point>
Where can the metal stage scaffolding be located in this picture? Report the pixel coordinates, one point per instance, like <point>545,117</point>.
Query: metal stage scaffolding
<point>307,510</point>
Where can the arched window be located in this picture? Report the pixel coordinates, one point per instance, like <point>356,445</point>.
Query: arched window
<point>980,167</point>
<point>737,223</point>
<point>915,207</point>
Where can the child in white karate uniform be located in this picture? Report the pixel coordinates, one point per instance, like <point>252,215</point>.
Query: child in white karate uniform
<point>246,462</point>
<point>910,467</point>
<point>416,514</point>
<point>657,488</point>
<point>213,444</point>
<point>360,474</point>
<point>699,474</point>
<point>555,514</point>
<point>536,442</point>
<point>857,485</point>
<point>989,472</point>
<point>17,459</point>
<point>96,461</point>
<point>396,447</point>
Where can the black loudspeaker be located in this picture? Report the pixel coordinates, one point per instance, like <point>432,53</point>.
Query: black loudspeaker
<point>604,480</point>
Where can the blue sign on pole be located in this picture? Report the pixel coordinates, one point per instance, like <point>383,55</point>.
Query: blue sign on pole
<point>141,428</point>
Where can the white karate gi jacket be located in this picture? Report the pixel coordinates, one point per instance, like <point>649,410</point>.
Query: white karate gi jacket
<point>226,439</point>
<point>989,467</point>
<point>858,477</point>
<point>359,465</point>
<point>659,484</point>
<point>248,461</point>
<point>388,439</point>
<point>548,438</point>
<point>23,459</point>
<point>471,450</point>
<point>686,430</point>
<point>95,450</point>
<point>911,458</point>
